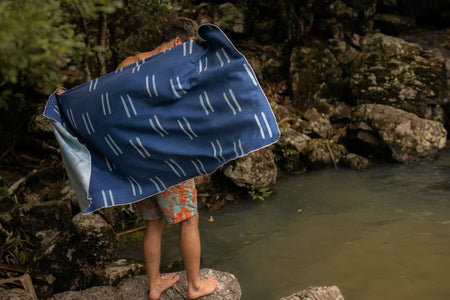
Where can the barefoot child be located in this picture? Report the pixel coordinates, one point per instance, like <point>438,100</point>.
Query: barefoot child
<point>168,204</point>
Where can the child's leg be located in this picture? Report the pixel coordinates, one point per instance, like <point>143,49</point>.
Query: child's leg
<point>190,250</point>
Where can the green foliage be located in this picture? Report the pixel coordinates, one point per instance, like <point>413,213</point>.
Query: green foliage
<point>89,9</point>
<point>32,38</point>
<point>260,193</point>
<point>17,251</point>
<point>128,217</point>
<point>161,5</point>
<point>35,35</point>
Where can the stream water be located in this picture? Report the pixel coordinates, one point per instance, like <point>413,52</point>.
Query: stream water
<point>378,234</point>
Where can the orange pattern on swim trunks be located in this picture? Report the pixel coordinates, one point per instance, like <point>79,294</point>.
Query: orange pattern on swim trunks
<point>175,204</point>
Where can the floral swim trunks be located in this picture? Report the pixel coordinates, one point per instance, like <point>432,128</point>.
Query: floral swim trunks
<point>175,204</point>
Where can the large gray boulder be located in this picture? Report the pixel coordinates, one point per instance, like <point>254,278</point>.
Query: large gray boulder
<point>409,138</point>
<point>394,72</point>
<point>228,287</point>
<point>136,288</point>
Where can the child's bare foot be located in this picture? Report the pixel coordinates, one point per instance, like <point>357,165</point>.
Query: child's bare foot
<point>206,287</point>
<point>167,280</point>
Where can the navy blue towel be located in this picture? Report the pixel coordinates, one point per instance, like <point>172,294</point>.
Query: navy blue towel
<point>173,116</point>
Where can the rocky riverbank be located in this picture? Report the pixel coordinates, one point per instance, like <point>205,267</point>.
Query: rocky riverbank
<point>344,95</point>
<point>137,288</point>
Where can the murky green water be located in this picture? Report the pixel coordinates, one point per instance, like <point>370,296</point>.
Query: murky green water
<point>379,234</point>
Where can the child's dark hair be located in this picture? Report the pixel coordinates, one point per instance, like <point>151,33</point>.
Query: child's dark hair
<point>185,28</point>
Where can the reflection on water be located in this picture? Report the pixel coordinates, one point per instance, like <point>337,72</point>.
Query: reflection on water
<point>379,234</point>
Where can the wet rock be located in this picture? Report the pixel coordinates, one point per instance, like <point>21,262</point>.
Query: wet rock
<point>321,153</point>
<point>315,74</point>
<point>255,170</point>
<point>53,215</point>
<point>379,152</point>
<point>228,287</point>
<point>316,124</point>
<point>15,294</point>
<point>293,138</point>
<point>355,161</point>
<point>203,183</point>
<point>410,138</point>
<point>367,142</point>
<point>394,72</point>
<point>98,292</point>
<point>317,293</point>
<point>289,148</point>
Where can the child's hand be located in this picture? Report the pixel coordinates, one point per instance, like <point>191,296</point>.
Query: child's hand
<point>60,91</point>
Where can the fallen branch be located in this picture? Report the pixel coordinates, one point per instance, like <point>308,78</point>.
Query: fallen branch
<point>50,147</point>
<point>15,268</point>
<point>331,154</point>
<point>26,282</point>
<point>286,120</point>
<point>13,188</point>
<point>130,231</point>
